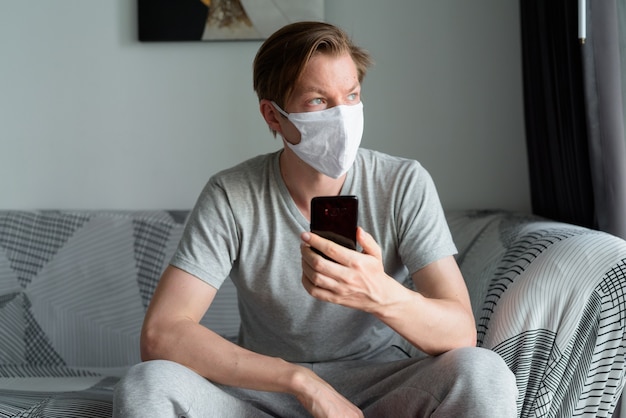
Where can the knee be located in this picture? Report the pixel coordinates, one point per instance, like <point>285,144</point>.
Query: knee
<point>482,375</point>
<point>479,367</point>
<point>150,385</point>
<point>147,377</point>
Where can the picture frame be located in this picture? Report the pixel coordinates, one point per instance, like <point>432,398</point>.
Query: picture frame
<point>220,20</point>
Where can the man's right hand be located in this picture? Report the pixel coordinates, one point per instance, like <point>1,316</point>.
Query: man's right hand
<point>321,399</point>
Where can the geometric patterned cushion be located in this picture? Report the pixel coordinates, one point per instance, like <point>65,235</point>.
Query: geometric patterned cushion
<point>74,285</point>
<point>30,240</point>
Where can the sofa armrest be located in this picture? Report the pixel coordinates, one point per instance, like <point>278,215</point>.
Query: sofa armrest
<point>549,298</point>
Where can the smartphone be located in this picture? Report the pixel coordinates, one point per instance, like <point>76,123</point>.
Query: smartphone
<point>335,218</point>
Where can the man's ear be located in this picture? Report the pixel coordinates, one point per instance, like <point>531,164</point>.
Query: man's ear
<point>271,115</point>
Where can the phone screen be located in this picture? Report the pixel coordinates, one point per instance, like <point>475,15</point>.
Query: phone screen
<point>335,218</point>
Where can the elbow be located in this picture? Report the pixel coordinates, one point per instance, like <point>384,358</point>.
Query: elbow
<point>150,344</point>
<point>466,338</point>
<point>471,338</point>
<point>468,334</point>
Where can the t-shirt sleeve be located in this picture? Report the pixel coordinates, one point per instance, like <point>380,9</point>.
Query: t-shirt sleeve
<point>424,236</point>
<point>208,246</point>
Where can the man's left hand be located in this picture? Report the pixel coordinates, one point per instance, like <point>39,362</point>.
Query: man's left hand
<point>354,279</point>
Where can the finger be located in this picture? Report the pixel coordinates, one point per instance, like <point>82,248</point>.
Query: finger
<point>305,237</point>
<point>323,279</point>
<point>367,242</point>
<point>318,271</point>
<point>318,291</point>
<point>331,249</point>
<point>324,273</point>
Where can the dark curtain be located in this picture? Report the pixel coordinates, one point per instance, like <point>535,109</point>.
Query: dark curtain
<point>554,106</point>
<point>605,115</point>
<point>574,115</point>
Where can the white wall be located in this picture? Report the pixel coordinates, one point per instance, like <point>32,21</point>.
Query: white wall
<point>91,118</point>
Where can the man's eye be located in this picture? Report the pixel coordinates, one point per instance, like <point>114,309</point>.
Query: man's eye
<point>317,101</point>
<point>353,96</point>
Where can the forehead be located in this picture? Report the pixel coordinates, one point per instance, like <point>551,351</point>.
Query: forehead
<point>327,73</point>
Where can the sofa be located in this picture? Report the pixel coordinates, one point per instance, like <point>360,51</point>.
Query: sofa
<point>548,297</point>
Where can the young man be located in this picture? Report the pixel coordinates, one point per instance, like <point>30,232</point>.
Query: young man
<point>318,337</point>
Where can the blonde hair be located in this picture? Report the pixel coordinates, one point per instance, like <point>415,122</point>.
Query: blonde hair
<point>284,55</point>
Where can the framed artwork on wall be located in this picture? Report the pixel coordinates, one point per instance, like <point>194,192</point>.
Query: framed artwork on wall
<point>221,20</point>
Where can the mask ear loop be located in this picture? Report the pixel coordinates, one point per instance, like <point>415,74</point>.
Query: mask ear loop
<point>282,112</point>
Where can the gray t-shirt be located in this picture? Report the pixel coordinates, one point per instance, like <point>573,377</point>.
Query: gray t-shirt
<point>245,225</point>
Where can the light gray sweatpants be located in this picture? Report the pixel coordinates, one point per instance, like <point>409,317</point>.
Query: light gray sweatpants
<point>467,382</point>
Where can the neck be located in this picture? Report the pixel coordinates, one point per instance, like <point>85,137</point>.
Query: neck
<point>304,182</point>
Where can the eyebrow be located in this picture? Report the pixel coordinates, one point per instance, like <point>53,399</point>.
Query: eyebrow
<point>313,89</point>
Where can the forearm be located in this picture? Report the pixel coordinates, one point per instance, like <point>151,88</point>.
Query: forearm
<point>432,325</point>
<point>217,359</point>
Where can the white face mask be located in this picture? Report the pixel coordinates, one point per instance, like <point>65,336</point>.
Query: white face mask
<point>329,139</point>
